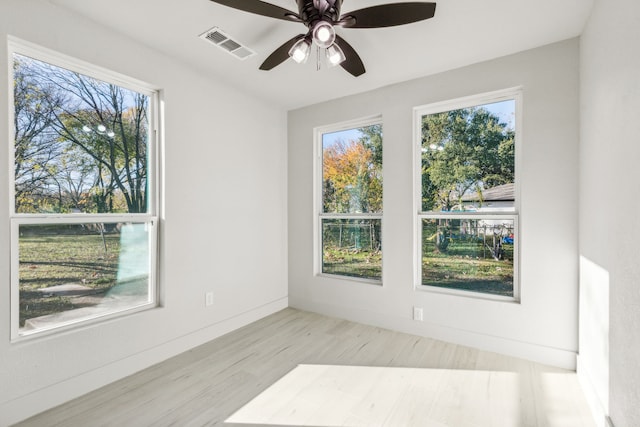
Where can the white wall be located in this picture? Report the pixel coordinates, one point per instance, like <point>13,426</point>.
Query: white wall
<point>544,326</point>
<point>609,206</point>
<point>224,227</point>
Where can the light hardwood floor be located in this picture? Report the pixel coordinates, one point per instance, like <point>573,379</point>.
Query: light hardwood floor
<point>303,369</point>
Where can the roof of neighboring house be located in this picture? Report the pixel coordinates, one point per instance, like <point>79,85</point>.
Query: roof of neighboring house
<point>501,193</point>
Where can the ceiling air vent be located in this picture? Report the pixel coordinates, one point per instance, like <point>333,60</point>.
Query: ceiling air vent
<point>227,43</point>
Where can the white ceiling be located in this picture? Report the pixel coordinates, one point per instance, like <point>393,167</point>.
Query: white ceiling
<point>461,33</point>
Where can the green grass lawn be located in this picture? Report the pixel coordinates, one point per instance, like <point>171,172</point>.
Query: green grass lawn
<point>459,272</point>
<point>354,263</point>
<point>51,260</point>
<point>55,260</point>
<point>468,265</point>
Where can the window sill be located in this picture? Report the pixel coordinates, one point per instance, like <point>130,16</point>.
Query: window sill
<point>350,279</point>
<point>466,294</point>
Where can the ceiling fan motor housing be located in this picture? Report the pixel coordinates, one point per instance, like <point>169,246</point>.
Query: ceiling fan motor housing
<point>312,11</point>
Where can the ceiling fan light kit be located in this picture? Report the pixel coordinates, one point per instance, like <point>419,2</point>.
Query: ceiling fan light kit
<point>335,55</point>
<point>321,17</point>
<point>323,34</point>
<point>299,52</point>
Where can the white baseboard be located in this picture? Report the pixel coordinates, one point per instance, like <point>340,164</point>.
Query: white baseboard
<point>26,406</point>
<point>598,408</point>
<point>561,358</point>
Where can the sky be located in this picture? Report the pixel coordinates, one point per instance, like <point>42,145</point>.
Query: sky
<point>505,110</point>
<point>328,139</point>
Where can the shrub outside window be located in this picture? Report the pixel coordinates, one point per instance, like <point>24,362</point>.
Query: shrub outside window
<point>467,216</point>
<point>349,200</point>
<point>83,224</point>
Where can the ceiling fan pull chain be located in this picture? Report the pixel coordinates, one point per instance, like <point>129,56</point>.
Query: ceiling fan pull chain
<point>317,58</point>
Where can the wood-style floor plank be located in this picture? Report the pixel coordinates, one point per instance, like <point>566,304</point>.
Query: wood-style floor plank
<point>300,368</point>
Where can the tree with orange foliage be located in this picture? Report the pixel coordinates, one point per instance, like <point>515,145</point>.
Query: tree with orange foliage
<point>352,180</point>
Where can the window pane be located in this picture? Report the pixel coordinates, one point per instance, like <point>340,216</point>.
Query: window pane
<point>352,170</point>
<point>70,272</point>
<point>80,143</point>
<point>352,247</point>
<point>469,254</point>
<point>468,159</point>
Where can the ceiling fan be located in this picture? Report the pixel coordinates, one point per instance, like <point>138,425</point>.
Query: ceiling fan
<point>321,17</point>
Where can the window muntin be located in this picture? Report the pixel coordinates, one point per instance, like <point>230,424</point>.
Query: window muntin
<point>83,144</point>
<point>467,208</point>
<point>350,201</point>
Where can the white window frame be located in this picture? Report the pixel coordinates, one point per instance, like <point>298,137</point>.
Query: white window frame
<point>319,215</point>
<point>514,94</point>
<point>150,218</point>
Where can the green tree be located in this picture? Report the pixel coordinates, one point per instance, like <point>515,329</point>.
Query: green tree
<point>352,173</point>
<point>371,137</point>
<point>98,133</point>
<point>462,151</point>
<point>35,148</point>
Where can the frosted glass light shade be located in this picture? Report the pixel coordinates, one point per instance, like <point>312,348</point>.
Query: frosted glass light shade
<point>299,52</point>
<point>335,55</point>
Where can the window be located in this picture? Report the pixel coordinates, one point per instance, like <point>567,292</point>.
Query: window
<point>83,224</point>
<point>349,200</point>
<point>467,207</point>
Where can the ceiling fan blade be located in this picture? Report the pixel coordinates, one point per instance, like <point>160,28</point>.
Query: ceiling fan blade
<point>353,64</point>
<point>281,54</point>
<point>388,15</point>
<point>261,8</point>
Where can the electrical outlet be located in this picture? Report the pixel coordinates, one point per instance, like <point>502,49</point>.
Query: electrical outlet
<point>208,299</point>
<point>417,313</point>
